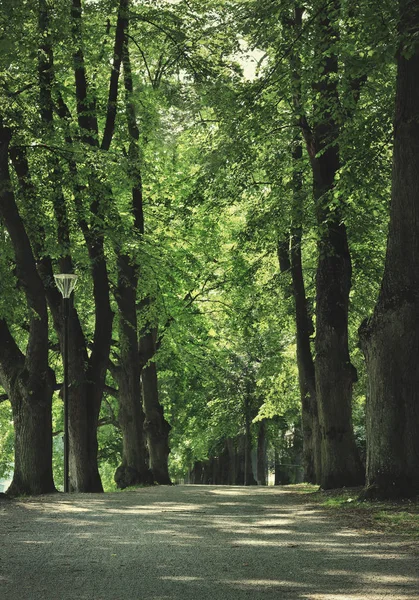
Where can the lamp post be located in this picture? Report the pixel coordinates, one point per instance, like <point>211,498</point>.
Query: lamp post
<point>66,282</point>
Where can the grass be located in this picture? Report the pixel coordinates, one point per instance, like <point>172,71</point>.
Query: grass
<point>390,517</point>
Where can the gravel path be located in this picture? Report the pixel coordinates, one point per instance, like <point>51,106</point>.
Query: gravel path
<point>195,543</point>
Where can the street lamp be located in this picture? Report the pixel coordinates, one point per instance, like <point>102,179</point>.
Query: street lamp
<point>66,282</point>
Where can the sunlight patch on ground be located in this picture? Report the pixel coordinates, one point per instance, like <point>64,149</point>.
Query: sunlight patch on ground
<point>263,583</point>
<point>56,507</point>
<point>372,577</point>
<point>240,491</point>
<point>180,578</point>
<point>251,542</point>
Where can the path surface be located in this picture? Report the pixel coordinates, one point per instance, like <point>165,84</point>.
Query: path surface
<point>195,543</point>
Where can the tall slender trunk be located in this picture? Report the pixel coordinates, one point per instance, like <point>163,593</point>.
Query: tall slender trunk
<point>249,478</point>
<point>261,454</point>
<point>232,460</point>
<point>290,260</point>
<point>156,428</point>
<point>134,468</point>
<point>390,339</point>
<point>277,468</point>
<point>101,196</point>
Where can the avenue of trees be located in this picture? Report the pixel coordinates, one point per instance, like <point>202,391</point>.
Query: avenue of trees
<point>236,186</point>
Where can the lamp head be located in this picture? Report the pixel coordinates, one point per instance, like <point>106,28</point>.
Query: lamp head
<point>66,283</point>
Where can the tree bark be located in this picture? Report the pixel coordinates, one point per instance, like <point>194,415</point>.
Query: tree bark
<point>390,339</point>
<point>249,478</point>
<point>134,468</point>
<point>84,474</point>
<point>27,379</point>
<point>340,462</point>
<point>83,400</point>
<point>232,460</point>
<point>278,480</point>
<point>290,261</point>
<point>304,325</point>
<point>156,427</point>
<point>261,454</point>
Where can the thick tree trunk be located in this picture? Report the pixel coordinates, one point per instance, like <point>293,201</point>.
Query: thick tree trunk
<point>340,462</point>
<point>390,339</point>
<point>83,404</point>
<point>341,465</point>
<point>28,379</point>
<point>83,446</point>
<point>31,399</point>
<point>134,468</point>
<point>156,427</point>
<point>33,439</point>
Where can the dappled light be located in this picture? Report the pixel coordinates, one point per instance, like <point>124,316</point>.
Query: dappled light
<point>187,542</point>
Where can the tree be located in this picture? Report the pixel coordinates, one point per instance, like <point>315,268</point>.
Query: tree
<point>390,338</point>
<point>27,378</point>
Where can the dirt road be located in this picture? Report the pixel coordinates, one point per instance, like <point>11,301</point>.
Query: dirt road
<point>195,543</point>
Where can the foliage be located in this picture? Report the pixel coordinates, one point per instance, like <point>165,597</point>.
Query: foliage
<point>6,440</point>
<point>217,177</point>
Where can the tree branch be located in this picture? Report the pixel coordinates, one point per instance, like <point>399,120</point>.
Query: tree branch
<point>121,27</point>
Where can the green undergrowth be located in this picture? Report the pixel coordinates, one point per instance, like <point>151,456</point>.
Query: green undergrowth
<point>398,517</point>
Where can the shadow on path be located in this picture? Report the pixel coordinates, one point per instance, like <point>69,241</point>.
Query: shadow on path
<point>197,543</point>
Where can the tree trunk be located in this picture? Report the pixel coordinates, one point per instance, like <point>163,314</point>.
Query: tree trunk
<point>277,468</point>
<point>341,465</point>
<point>197,472</point>
<point>134,468</point>
<point>28,379</point>
<point>232,460</point>
<point>261,454</point>
<point>31,401</point>
<point>223,473</point>
<point>156,427</point>
<point>340,462</point>
<point>86,373</point>
<point>290,259</point>
<point>240,460</point>
<point>390,339</point>
<point>249,478</point>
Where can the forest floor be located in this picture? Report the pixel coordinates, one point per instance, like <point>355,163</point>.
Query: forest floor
<point>199,543</point>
